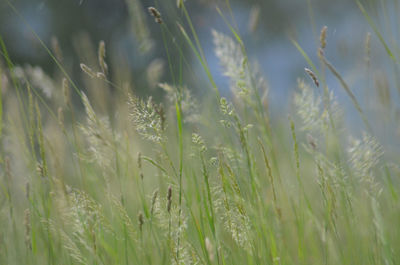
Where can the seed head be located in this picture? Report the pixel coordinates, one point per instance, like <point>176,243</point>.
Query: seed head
<point>101,75</point>
<point>40,169</point>
<point>8,169</point>
<point>161,113</point>
<point>102,57</point>
<point>88,70</point>
<point>312,75</point>
<point>66,91</point>
<point>169,199</point>
<point>322,37</point>
<point>61,117</point>
<point>312,142</point>
<point>169,194</point>
<point>156,14</point>
<point>153,201</point>
<point>55,46</point>
<point>27,224</point>
<point>140,220</point>
<point>254,18</point>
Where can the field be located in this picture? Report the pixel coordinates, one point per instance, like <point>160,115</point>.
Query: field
<point>93,172</point>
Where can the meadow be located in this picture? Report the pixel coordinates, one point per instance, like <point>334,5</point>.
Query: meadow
<point>99,174</point>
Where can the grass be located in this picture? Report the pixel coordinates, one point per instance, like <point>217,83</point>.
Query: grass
<point>188,179</point>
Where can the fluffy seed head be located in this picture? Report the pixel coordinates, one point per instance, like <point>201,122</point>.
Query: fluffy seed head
<point>148,118</point>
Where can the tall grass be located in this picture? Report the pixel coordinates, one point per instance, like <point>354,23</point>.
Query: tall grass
<point>90,178</point>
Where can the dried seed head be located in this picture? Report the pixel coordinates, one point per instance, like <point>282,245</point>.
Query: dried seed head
<point>101,75</point>
<point>169,204</point>
<point>40,169</point>
<point>102,57</point>
<point>66,91</point>
<point>27,224</point>
<point>88,70</point>
<point>161,113</point>
<point>153,201</point>
<point>8,169</point>
<point>322,37</point>
<point>254,18</point>
<point>61,117</point>
<point>139,160</point>
<point>55,46</point>
<point>169,193</point>
<point>311,141</point>
<point>140,220</point>
<point>169,199</point>
<point>156,14</point>
<point>312,75</point>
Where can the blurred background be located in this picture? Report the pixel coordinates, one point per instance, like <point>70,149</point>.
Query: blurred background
<point>136,47</point>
